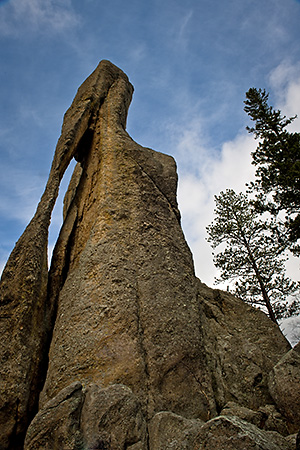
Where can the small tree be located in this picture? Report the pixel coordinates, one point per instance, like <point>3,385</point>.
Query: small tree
<point>251,256</point>
<point>277,158</point>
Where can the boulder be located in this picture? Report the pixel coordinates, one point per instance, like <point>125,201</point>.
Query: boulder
<point>57,425</point>
<point>91,418</point>
<point>284,386</point>
<point>242,346</point>
<point>112,418</point>
<point>266,417</point>
<point>170,431</point>
<point>233,433</point>
<point>257,418</point>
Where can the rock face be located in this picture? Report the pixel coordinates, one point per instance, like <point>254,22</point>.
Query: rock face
<point>119,342</point>
<point>127,284</point>
<point>232,433</point>
<point>284,385</point>
<point>241,348</point>
<point>94,418</point>
<point>170,431</point>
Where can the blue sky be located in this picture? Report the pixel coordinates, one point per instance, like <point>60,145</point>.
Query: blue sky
<point>190,61</point>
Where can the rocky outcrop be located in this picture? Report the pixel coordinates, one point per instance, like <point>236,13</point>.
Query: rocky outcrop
<point>284,385</point>
<point>123,278</point>
<point>91,418</point>
<point>170,431</point>
<point>232,433</point>
<point>242,346</point>
<point>120,343</point>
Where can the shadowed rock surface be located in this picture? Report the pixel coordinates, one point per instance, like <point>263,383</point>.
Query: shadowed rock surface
<point>284,385</point>
<point>120,333</point>
<point>232,433</point>
<point>91,418</point>
<point>241,347</point>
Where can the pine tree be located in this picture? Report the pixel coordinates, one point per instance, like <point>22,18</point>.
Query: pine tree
<point>251,256</point>
<point>277,158</point>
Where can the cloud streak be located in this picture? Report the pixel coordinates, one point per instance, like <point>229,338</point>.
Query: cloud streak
<point>37,16</point>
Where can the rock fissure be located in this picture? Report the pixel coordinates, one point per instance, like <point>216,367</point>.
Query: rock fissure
<point>144,355</point>
<point>201,389</point>
<point>172,207</point>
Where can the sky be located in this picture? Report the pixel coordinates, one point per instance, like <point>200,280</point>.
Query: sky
<point>191,63</point>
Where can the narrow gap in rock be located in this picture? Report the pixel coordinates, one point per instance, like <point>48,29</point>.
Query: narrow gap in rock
<point>57,214</point>
<point>83,148</point>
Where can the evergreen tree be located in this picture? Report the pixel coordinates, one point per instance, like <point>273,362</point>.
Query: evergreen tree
<point>277,158</point>
<point>251,256</point>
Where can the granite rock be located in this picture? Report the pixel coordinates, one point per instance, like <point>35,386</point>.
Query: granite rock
<point>284,386</point>
<point>27,311</point>
<point>170,431</point>
<point>242,346</point>
<point>57,425</point>
<point>122,275</point>
<point>112,418</point>
<point>89,418</point>
<point>233,433</point>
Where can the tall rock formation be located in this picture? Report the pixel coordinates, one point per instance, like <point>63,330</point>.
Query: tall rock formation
<point>120,330</point>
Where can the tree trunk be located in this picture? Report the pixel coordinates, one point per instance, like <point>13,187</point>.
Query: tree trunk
<point>261,283</point>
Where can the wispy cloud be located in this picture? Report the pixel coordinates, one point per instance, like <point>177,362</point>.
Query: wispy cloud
<point>291,329</point>
<point>18,17</point>
<point>22,191</point>
<point>182,38</point>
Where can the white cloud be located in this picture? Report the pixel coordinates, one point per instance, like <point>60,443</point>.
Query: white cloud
<point>290,327</point>
<point>36,15</point>
<point>285,80</point>
<point>208,172</point>
<point>232,169</point>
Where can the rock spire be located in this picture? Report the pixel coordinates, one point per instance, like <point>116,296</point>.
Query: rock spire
<point>119,345</point>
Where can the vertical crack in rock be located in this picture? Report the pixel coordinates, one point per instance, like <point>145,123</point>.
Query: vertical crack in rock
<point>144,358</point>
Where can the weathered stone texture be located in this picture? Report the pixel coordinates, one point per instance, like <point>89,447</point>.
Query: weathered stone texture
<point>57,426</point>
<point>170,431</point>
<point>266,417</point>
<point>25,311</point>
<point>284,385</point>
<point>242,346</point>
<point>129,283</point>
<point>90,418</point>
<point>112,417</point>
<point>232,433</point>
